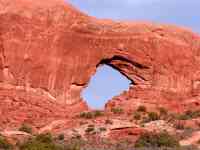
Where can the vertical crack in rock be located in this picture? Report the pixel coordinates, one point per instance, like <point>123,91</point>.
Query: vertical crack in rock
<point>6,75</point>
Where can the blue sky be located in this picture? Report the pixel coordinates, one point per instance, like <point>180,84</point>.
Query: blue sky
<point>107,82</point>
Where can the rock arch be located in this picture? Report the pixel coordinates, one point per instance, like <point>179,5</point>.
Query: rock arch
<point>63,54</point>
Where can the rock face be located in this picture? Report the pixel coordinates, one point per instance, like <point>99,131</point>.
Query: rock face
<point>49,49</point>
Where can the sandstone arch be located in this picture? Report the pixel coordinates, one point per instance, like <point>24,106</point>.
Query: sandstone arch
<point>123,65</point>
<point>55,49</point>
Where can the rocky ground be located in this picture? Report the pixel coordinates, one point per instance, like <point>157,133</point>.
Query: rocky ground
<point>115,126</point>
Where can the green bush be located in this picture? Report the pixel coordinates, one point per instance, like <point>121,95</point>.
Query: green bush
<point>153,116</point>
<point>102,129</point>
<point>26,128</point>
<point>45,138</point>
<point>189,115</point>
<point>98,113</point>
<point>40,142</point>
<point>86,115</point>
<point>141,109</point>
<point>183,117</point>
<point>90,115</point>
<point>117,110</point>
<point>156,140</point>
<point>137,116</point>
<point>74,144</point>
<point>4,144</point>
<point>91,126</point>
<point>163,111</point>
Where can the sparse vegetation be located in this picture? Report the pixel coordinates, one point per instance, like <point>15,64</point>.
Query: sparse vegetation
<point>150,116</point>
<point>4,144</point>
<point>90,129</point>
<point>117,110</point>
<point>73,146</point>
<point>147,141</point>
<point>137,116</point>
<point>86,115</point>
<point>145,116</point>
<point>92,114</point>
<point>156,140</point>
<point>108,121</point>
<point>40,142</point>
<point>61,137</point>
<point>102,129</point>
<point>98,113</point>
<point>26,128</point>
<point>153,116</point>
<point>163,111</point>
<point>189,115</point>
<point>141,109</point>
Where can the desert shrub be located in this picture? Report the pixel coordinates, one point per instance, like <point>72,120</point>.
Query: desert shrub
<point>102,129</point>
<point>90,129</point>
<point>26,128</point>
<point>76,136</point>
<point>86,115</point>
<point>90,115</point>
<point>91,126</point>
<point>117,110</point>
<point>163,111</point>
<point>40,142</point>
<point>108,121</point>
<point>141,109</point>
<point>137,116</point>
<point>98,113</point>
<point>46,138</point>
<point>183,117</point>
<point>189,115</point>
<point>153,116</point>
<point>61,136</point>
<point>74,144</point>
<point>156,140</point>
<point>4,144</point>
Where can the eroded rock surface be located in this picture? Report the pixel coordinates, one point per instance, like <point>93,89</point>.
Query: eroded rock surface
<point>49,51</point>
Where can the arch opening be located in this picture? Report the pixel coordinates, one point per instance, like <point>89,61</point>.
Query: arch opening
<point>105,84</point>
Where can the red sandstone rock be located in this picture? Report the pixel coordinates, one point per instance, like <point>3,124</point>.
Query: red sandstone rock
<point>15,137</point>
<point>131,134</point>
<point>49,51</point>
